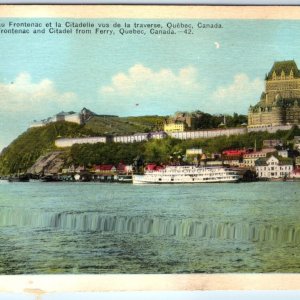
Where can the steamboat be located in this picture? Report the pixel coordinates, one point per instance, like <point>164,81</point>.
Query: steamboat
<point>187,174</point>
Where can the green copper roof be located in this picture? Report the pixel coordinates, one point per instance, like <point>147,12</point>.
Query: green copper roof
<point>262,161</point>
<point>286,66</point>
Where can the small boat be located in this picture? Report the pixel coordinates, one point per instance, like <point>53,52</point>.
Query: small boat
<point>19,178</point>
<point>50,178</point>
<point>125,178</point>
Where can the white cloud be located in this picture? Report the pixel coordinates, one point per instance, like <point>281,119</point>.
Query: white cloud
<point>142,81</point>
<point>23,95</point>
<point>238,95</point>
<point>152,89</point>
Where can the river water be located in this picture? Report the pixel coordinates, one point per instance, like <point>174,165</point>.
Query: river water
<point>93,228</point>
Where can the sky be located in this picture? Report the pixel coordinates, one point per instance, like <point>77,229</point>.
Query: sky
<point>214,70</point>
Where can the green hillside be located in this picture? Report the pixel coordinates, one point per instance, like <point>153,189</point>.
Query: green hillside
<point>27,148</point>
<point>23,152</point>
<point>125,125</point>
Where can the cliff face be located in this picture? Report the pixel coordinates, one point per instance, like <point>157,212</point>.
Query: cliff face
<point>50,163</point>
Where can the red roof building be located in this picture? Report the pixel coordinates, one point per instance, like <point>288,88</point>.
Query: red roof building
<point>295,173</point>
<point>104,168</point>
<point>121,168</point>
<point>234,152</point>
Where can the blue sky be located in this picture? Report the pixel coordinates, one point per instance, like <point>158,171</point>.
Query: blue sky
<point>41,75</point>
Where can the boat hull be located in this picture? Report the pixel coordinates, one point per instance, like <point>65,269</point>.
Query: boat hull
<point>18,179</point>
<point>144,179</point>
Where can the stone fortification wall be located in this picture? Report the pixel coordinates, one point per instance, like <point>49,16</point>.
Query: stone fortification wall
<point>207,133</point>
<point>69,142</point>
<point>62,143</point>
<point>271,129</point>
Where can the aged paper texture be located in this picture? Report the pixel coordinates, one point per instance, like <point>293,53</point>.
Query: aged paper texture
<point>102,105</point>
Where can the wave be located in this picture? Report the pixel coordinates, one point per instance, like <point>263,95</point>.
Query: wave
<point>149,225</point>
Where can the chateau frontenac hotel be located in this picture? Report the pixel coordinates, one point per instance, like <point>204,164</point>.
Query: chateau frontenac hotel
<point>280,103</point>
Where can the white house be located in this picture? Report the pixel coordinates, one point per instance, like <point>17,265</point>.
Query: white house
<point>273,167</point>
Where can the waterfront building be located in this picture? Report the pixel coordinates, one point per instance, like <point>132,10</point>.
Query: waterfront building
<point>124,169</point>
<point>295,174</point>
<point>233,161</point>
<point>233,157</point>
<point>273,167</point>
<point>279,104</point>
<point>234,152</point>
<point>69,142</point>
<point>104,169</point>
<point>249,159</point>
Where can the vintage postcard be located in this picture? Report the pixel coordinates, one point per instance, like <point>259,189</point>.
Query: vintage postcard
<point>157,147</point>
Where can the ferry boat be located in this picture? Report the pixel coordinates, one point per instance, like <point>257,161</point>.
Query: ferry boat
<point>187,174</point>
